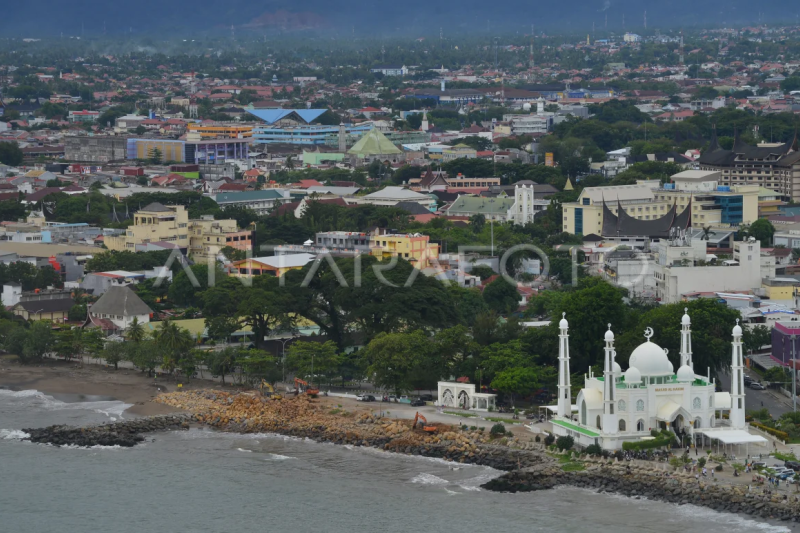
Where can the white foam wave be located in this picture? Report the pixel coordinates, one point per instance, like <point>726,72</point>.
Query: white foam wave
<point>13,434</point>
<point>111,408</point>
<point>244,450</point>
<point>448,491</point>
<point>95,447</point>
<point>690,511</point>
<point>278,457</point>
<point>474,483</point>
<point>429,479</point>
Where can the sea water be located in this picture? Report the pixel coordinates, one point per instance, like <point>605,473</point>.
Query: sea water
<point>200,481</point>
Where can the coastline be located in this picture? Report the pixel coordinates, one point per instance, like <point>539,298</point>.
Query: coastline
<point>527,465</point>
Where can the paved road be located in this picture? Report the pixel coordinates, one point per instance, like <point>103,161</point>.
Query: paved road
<point>756,399</point>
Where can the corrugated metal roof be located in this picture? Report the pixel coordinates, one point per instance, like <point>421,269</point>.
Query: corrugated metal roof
<point>270,116</point>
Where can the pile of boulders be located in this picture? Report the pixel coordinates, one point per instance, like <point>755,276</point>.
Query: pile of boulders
<point>126,433</point>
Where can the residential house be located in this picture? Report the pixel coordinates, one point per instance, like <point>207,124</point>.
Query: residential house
<point>116,310</point>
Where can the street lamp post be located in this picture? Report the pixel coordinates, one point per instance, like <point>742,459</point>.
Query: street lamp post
<point>794,376</point>
<point>283,356</point>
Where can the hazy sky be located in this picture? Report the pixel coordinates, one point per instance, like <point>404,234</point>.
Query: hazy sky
<point>92,17</point>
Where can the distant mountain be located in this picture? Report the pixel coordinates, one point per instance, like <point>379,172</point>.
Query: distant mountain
<point>380,16</point>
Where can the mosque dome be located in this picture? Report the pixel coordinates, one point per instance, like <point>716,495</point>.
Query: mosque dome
<point>686,321</point>
<point>563,323</point>
<point>633,376</point>
<point>651,360</point>
<point>617,369</point>
<point>609,335</point>
<point>737,329</point>
<point>685,374</point>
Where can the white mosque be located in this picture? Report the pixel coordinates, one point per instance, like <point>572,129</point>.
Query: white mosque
<point>624,406</point>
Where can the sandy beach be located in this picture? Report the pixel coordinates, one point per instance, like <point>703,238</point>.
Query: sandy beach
<point>126,385</point>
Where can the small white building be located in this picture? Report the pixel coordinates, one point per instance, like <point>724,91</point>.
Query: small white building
<point>463,396</point>
<point>12,294</point>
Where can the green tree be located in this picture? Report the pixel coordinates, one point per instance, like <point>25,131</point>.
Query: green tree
<point>136,332</point>
<point>762,230</point>
<point>395,360</point>
<point>756,337</point>
<point>114,353</point>
<point>10,154</point>
<point>311,359</point>
<point>155,156</point>
<point>501,296</point>
<point>39,341</point>
<point>77,313</point>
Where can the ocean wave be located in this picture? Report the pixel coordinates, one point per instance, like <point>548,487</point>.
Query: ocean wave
<point>278,457</point>
<point>429,479</point>
<point>680,512</point>
<point>95,447</point>
<point>244,450</point>
<point>113,409</point>
<point>13,434</point>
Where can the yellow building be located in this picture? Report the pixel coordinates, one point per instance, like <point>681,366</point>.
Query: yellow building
<point>202,238</point>
<point>154,223</point>
<point>170,150</point>
<point>274,265</point>
<point>712,205</point>
<point>459,151</point>
<point>218,131</point>
<point>414,248</point>
<point>208,236</point>
<point>779,288</point>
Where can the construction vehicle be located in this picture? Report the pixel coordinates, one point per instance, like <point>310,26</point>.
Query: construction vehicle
<point>301,386</point>
<point>424,423</point>
<point>268,390</point>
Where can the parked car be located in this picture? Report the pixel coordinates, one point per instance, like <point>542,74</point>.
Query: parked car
<point>365,398</point>
<point>757,386</point>
<point>794,465</point>
<point>787,474</point>
<point>419,402</point>
<point>426,397</point>
<point>759,464</point>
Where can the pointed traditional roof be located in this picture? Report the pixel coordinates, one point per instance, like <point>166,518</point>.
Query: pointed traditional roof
<point>373,143</point>
<point>714,144</point>
<point>624,225</point>
<point>568,186</point>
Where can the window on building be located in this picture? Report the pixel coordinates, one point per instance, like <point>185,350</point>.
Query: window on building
<point>622,425</point>
<point>696,404</point>
<point>640,425</point>
<point>622,406</point>
<point>640,405</point>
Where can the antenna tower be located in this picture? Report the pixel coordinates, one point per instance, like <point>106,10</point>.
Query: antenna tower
<point>645,19</point>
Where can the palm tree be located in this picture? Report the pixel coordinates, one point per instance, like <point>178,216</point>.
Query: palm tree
<point>706,233</point>
<point>175,343</point>
<point>135,331</point>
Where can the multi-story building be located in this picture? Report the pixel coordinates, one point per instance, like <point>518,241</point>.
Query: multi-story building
<point>220,131</point>
<point>413,247</point>
<point>205,152</point>
<point>459,151</point>
<point>155,222</point>
<point>520,209</point>
<point>711,204</point>
<point>208,236</point>
<point>682,268</point>
<point>83,116</point>
<point>95,149</point>
<point>262,202</point>
<point>775,166</point>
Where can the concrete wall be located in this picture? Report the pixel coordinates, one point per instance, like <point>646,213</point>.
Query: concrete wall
<point>95,149</point>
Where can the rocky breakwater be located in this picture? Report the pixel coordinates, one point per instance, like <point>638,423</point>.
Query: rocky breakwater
<point>653,482</point>
<point>305,417</point>
<point>126,433</point>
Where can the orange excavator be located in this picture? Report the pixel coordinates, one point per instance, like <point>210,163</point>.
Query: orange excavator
<point>304,387</point>
<point>424,422</point>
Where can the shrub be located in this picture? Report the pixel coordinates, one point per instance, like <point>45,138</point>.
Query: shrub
<point>594,449</point>
<point>772,431</point>
<point>473,428</point>
<point>538,438</point>
<point>701,462</point>
<point>565,443</point>
<point>498,429</point>
<point>549,440</point>
<point>718,468</point>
